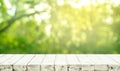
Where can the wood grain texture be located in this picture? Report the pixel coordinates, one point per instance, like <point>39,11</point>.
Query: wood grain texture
<point>21,65</point>
<point>48,63</point>
<point>2,60</point>
<point>7,65</point>
<point>73,63</point>
<point>59,62</point>
<point>116,58</point>
<point>35,63</point>
<point>85,63</point>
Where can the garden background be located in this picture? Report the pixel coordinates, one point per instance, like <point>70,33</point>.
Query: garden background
<point>60,26</point>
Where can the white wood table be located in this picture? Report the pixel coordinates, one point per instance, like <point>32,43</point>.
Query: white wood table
<point>59,62</point>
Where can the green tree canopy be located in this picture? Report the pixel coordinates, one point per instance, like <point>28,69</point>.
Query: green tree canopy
<point>59,26</point>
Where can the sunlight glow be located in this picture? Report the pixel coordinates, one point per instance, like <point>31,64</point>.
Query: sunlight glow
<point>60,2</point>
<point>108,20</point>
<point>7,3</point>
<point>30,11</point>
<point>101,1</point>
<point>64,22</point>
<point>26,6</point>
<point>48,29</point>
<point>45,15</point>
<point>11,9</point>
<point>38,19</point>
<point>41,7</point>
<point>116,2</point>
<point>79,4</point>
<point>82,3</point>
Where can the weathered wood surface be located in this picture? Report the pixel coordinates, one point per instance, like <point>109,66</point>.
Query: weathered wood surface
<point>59,62</point>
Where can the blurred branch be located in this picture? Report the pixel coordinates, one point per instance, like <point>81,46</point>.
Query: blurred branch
<point>13,19</point>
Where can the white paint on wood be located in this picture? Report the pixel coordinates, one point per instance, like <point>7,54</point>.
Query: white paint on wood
<point>21,65</point>
<point>105,63</point>
<point>73,63</point>
<point>85,63</point>
<point>60,63</point>
<point>98,63</point>
<point>35,63</point>
<point>13,59</point>
<point>1,55</point>
<point>7,65</point>
<point>48,63</point>
<point>116,58</point>
<point>3,59</point>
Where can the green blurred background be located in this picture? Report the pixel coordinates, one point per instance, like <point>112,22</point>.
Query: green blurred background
<point>60,26</point>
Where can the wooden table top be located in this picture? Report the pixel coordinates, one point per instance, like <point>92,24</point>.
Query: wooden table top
<point>59,62</point>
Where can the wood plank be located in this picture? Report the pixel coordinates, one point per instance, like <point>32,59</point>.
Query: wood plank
<point>2,55</point>
<point>60,63</point>
<point>116,58</point>
<point>13,59</point>
<point>98,63</point>
<point>21,65</point>
<point>85,63</point>
<point>35,63</point>
<point>73,63</point>
<point>7,65</point>
<point>3,59</point>
<point>48,63</point>
<point>108,64</point>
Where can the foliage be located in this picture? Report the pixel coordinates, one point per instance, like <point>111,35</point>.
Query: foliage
<point>50,26</point>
